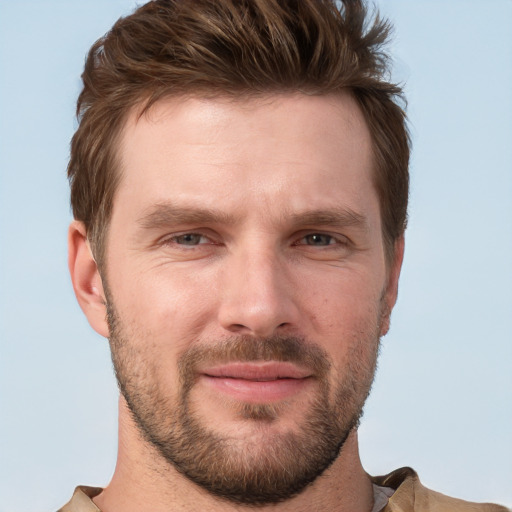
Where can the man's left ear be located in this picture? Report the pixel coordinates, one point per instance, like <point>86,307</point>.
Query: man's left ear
<point>86,278</point>
<point>391,292</point>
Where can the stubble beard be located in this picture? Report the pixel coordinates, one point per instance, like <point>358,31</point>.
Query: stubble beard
<point>271,466</point>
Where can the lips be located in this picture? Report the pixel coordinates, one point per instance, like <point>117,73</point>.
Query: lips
<point>258,371</point>
<point>257,382</point>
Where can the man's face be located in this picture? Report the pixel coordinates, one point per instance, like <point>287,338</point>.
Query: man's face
<point>247,286</point>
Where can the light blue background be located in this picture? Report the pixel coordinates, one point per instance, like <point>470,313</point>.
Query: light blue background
<point>442,400</point>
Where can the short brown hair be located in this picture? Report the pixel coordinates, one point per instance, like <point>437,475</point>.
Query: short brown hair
<point>235,48</point>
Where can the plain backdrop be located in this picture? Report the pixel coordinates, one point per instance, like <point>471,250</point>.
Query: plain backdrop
<point>442,400</point>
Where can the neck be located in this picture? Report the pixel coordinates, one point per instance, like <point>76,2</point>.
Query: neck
<point>144,482</point>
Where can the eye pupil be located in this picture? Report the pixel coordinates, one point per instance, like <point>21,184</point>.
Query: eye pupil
<point>189,239</point>
<point>318,239</point>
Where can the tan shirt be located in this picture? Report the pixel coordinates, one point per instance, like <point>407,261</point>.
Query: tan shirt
<point>409,496</point>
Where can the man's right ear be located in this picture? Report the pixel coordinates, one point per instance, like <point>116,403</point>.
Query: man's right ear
<point>86,278</point>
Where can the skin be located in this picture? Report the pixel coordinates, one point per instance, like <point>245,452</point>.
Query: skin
<point>266,264</point>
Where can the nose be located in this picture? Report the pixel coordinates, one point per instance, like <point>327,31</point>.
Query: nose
<point>258,296</point>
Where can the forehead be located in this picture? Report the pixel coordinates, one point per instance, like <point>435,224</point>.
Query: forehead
<point>282,152</point>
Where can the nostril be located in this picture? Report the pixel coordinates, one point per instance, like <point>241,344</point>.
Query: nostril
<point>237,327</point>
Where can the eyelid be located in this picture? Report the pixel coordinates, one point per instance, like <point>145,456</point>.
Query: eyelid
<point>170,238</point>
<point>337,237</point>
<point>211,238</point>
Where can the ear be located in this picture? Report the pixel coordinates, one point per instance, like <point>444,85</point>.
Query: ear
<point>86,278</point>
<point>391,291</point>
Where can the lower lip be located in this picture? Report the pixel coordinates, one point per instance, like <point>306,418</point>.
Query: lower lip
<point>252,391</point>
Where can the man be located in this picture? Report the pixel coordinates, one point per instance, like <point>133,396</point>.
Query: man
<point>239,183</point>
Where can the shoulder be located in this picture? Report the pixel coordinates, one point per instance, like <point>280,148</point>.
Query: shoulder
<point>411,496</point>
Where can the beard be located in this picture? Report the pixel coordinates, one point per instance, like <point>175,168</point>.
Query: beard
<point>271,464</point>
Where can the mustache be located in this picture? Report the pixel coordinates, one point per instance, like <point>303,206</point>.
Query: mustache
<point>246,349</point>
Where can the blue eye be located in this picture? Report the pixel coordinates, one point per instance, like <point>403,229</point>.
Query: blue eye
<point>318,239</point>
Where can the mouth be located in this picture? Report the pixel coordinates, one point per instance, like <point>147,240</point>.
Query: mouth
<point>257,382</point>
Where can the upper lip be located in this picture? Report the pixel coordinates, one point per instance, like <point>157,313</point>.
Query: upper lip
<point>258,371</point>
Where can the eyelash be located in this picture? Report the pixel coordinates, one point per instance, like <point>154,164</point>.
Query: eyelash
<point>333,241</point>
<point>174,239</point>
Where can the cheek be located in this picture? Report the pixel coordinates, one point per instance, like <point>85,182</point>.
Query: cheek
<point>169,305</point>
<point>343,302</point>
<point>346,324</point>
<point>177,304</point>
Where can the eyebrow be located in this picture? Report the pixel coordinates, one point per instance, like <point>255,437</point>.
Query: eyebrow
<point>166,214</point>
<point>339,217</point>
<point>162,215</point>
